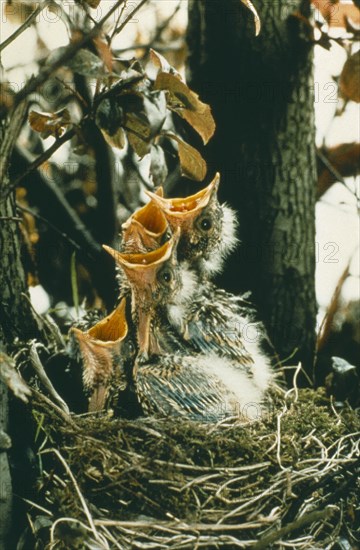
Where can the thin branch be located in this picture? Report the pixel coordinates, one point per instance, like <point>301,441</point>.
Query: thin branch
<point>38,162</point>
<point>27,23</point>
<point>129,17</point>
<point>311,517</point>
<point>69,52</point>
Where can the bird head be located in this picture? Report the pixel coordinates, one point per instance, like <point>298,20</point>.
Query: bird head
<point>200,218</point>
<point>154,279</point>
<point>146,229</point>
<point>105,348</point>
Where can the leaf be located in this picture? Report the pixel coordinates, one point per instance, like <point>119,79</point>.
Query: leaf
<point>87,63</point>
<point>158,167</point>
<point>11,378</point>
<point>104,52</point>
<point>257,21</point>
<point>186,104</point>
<point>92,3</point>
<point>350,78</point>
<point>49,124</point>
<point>193,166</point>
<point>161,63</point>
<point>342,161</point>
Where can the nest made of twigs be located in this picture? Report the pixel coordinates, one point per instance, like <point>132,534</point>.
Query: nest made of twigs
<point>288,481</point>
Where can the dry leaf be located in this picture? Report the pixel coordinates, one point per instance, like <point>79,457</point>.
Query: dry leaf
<point>345,159</point>
<point>193,166</point>
<point>186,104</point>
<point>92,3</point>
<point>105,53</point>
<point>49,124</point>
<point>162,64</point>
<point>257,21</point>
<point>11,378</point>
<point>350,78</point>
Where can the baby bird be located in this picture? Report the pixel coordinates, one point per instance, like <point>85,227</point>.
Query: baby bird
<point>214,321</point>
<point>146,229</point>
<point>108,354</point>
<point>168,379</point>
<point>208,229</point>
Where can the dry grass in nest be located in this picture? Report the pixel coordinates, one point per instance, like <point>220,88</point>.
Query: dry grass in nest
<point>288,481</point>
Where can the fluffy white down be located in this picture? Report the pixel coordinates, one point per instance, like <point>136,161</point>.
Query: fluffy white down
<point>228,242</point>
<point>177,310</point>
<point>245,397</point>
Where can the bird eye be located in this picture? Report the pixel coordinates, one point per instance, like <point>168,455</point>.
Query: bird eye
<point>205,224</point>
<point>165,276</point>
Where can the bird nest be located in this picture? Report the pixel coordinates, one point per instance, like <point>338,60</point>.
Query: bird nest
<point>290,480</point>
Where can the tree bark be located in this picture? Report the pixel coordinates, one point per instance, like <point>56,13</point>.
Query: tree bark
<point>261,92</point>
<point>16,320</point>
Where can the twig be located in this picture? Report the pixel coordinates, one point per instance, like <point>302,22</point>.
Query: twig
<point>77,489</point>
<point>311,517</point>
<point>69,52</point>
<point>39,369</point>
<point>38,162</point>
<point>129,17</point>
<point>327,322</point>
<point>24,26</point>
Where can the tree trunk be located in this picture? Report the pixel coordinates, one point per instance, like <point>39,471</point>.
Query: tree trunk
<point>16,320</point>
<point>260,90</point>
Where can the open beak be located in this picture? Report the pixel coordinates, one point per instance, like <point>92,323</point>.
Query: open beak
<point>144,229</point>
<point>141,271</point>
<point>97,347</point>
<point>182,212</point>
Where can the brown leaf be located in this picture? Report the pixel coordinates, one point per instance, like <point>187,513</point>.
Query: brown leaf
<point>193,166</point>
<point>345,161</point>
<point>257,21</point>
<point>337,13</point>
<point>92,3</point>
<point>104,52</point>
<point>138,132</point>
<point>186,104</point>
<point>115,140</point>
<point>50,124</point>
<point>350,78</point>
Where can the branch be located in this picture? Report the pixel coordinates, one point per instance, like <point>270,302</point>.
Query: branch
<point>27,23</point>
<point>38,162</point>
<point>70,51</point>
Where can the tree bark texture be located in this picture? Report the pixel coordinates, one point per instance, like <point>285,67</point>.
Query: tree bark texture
<point>261,93</point>
<point>16,320</point>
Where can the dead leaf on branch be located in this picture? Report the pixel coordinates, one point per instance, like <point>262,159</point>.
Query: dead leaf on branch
<point>186,104</point>
<point>92,3</point>
<point>350,78</point>
<point>50,124</point>
<point>192,164</point>
<point>257,21</point>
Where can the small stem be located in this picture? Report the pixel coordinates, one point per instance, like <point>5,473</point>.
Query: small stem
<point>24,26</point>
<point>38,162</point>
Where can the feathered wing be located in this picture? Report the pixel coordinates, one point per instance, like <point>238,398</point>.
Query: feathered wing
<point>179,386</point>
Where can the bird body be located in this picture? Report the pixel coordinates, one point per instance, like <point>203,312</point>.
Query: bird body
<point>107,352</point>
<point>170,377</point>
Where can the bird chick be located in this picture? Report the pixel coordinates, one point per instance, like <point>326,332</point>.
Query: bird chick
<point>146,229</point>
<point>107,353</point>
<point>169,380</point>
<point>208,229</point>
<point>214,321</point>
